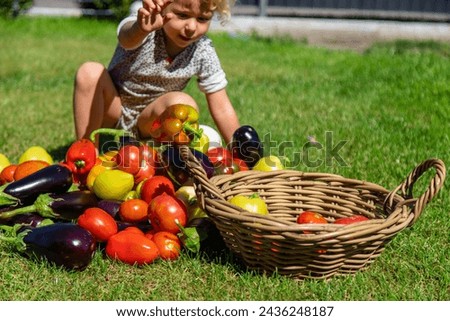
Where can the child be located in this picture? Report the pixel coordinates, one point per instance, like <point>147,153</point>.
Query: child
<point>160,49</point>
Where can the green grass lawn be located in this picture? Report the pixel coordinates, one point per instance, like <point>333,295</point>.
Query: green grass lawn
<point>387,107</point>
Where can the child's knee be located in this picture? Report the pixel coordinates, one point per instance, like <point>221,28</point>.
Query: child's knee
<point>182,98</point>
<point>89,72</point>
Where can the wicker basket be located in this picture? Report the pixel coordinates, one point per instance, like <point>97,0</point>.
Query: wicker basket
<point>276,243</point>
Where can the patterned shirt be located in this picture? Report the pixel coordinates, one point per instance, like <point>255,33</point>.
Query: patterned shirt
<point>144,73</point>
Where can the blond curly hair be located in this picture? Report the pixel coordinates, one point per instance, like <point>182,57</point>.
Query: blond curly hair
<point>221,7</point>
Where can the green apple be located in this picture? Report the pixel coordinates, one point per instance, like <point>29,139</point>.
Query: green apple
<point>252,203</point>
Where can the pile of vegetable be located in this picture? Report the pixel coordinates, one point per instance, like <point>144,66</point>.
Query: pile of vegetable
<point>134,202</point>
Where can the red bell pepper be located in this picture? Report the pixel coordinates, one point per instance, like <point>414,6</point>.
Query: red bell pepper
<point>80,158</point>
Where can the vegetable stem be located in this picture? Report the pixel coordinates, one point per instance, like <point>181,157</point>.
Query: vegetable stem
<point>117,133</point>
<point>191,130</point>
<point>18,211</point>
<point>80,163</point>
<point>6,200</point>
<point>14,238</point>
<point>189,237</point>
<point>41,206</point>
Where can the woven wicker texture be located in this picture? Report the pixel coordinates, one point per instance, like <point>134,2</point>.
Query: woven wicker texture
<point>275,242</point>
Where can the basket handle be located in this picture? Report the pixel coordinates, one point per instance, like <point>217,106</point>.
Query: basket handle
<point>406,187</point>
<point>201,181</point>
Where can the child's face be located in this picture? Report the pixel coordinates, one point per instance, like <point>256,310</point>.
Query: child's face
<point>190,21</point>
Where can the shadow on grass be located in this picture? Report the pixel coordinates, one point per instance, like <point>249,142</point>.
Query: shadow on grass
<point>213,249</point>
<point>59,153</point>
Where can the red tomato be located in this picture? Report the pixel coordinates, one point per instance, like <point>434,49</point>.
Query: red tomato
<point>97,221</point>
<point>221,154</point>
<point>223,168</point>
<point>309,217</point>
<point>145,172</point>
<point>128,159</point>
<point>168,244</point>
<point>133,229</point>
<point>351,219</point>
<point>133,210</point>
<point>131,248</point>
<point>225,162</point>
<point>217,154</point>
<point>7,174</point>
<point>28,167</point>
<point>229,166</point>
<point>164,211</point>
<point>242,165</point>
<point>155,186</point>
<point>148,155</point>
<point>148,164</point>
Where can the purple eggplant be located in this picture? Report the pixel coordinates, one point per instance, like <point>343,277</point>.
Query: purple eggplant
<point>28,219</point>
<point>246,145</point>
<point>110,206</point>
<point>64,244</point>
<point>51,179</point>
<point>143,226</point>
<point>65,206</point>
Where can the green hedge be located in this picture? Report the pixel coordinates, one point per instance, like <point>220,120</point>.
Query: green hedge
<point>120,8</point>
<point>11,8</point>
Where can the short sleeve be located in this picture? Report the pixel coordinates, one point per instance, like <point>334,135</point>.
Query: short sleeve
<point>211,78</point>
<point>135,6</point>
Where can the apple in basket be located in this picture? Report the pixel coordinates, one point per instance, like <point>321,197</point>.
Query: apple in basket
<point>309,217</point>
<point>351,219</point>
<point>252,203</point>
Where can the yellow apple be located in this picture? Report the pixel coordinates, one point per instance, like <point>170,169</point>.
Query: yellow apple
<point>268,163</point>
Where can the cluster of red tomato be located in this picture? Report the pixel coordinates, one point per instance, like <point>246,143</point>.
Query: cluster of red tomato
<point>154,198</point>
<point>138,243</point>
<point>225,162</point>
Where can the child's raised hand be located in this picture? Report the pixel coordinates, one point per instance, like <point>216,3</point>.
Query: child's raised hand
<point>152,14</point>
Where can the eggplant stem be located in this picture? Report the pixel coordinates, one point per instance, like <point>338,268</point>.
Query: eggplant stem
<point>7,228</point>
<point>18,243</point>
<point>41,206</point>
<point>13,238</point>
<point>6,199</point>
<point>7,238</point>
<point>18,211</point>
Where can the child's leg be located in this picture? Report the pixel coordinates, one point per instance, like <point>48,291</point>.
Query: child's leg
<point>96,102</point>
<point>158,106</point>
